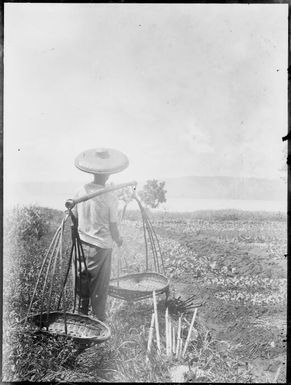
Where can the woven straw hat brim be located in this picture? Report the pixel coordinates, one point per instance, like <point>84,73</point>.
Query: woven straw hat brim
<point>101,161</point>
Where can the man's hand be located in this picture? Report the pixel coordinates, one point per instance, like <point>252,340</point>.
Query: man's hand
<point>119,242</point>
<point>115,233</point>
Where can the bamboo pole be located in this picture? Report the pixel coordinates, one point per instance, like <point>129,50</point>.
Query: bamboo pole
<point>70,203</point>
<point>170,335</point>
<point>189,332</point>
<point>167,330</point>
<point>156,322</point>
<point>178,337</point>
<point>181,344</point>
<point>181,339</point>
<point>189,323</point>
<point>118,264</point>
<point>174,340</point>
<point>151,333</point>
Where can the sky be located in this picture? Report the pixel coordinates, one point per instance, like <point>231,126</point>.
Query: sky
<point>181,89</point>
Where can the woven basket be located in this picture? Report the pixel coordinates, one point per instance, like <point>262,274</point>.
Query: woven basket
<point>81,328</point>
<point>134,287</point>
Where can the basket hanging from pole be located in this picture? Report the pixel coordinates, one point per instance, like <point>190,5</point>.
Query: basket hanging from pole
<point>138,286</point>
<point>53,309</point>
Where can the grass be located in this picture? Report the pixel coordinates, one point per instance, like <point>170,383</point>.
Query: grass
<point>218,255</point>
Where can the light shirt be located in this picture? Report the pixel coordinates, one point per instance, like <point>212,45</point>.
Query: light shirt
<point>95,215</point>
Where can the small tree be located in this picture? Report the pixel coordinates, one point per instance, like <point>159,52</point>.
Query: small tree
<point>153,193</point>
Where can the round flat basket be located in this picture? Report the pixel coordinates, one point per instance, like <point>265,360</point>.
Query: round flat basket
<point>81,328</point>
<point>138,286</point>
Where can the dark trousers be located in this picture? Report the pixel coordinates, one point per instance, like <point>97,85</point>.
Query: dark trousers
<point>95,284</point>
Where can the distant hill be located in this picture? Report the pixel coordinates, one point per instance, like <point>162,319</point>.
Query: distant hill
<point>46,194</point>
<point>204,187</point>
<point>54,194</point>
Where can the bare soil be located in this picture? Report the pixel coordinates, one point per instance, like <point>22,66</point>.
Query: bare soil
<point>237,270</point>
<point>240,277</point>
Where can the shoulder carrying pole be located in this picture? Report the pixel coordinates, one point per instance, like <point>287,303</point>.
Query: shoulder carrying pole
<point>70,203</point>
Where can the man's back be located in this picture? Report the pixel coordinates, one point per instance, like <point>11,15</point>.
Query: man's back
<point>95,215</point>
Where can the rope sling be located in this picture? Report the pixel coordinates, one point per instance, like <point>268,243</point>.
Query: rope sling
<point>52,319</point>
<point>138,286</point>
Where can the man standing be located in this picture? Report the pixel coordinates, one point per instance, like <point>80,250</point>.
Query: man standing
<point>97,224</point>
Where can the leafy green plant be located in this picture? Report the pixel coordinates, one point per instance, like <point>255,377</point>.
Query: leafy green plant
<point>26,222</point>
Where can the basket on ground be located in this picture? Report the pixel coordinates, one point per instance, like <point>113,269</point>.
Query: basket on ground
<point>138,286</point>
<point>82,328</point>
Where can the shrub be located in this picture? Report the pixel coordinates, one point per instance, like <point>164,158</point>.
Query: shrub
<point>26,223</point>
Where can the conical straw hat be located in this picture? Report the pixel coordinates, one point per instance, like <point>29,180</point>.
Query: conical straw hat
<point>101,161</point>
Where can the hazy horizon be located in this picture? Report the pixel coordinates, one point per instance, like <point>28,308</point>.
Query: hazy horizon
<point>183,193</point>
<point>119,178</point>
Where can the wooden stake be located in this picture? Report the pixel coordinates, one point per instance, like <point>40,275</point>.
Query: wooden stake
<point>178,337</point>
<point>156,322</point>
<point>181,345</point>
<point>174,340</point>
<point>181,340</point>
<point>167,330</point>
<point>170,335</point>
<point>189,332</point>
<point>177,347</point>
<point>151,333</point>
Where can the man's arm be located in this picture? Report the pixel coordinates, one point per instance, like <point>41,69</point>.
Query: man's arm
<point>115,233</point>
<point>113,219</point>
